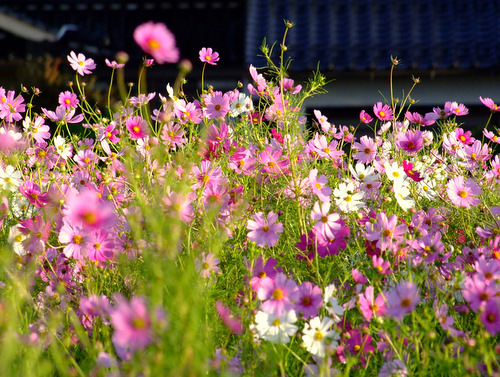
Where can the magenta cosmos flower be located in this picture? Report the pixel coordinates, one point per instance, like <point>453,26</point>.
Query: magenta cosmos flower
<point>462,193</point>
<point>264,232</point>
<point>402,299</point>
<point>132,324</point>
<point>382,112</point>
<point>81,64</point>
<point>410,141</point>
<point>158,41</point>
<point>207,55</point>
<point>137,127</point>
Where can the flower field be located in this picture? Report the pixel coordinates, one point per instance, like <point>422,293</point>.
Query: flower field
<point>233,234</point>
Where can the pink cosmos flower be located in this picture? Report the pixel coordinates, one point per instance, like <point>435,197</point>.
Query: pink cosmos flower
<point>155,39</point>
<point>318,185</point>
<point>410,141</point>
<point>68,100</point>
<point>414,175</point>
<point>10,107</point>
<point>63,115</point>
<point>358,277</point>
<point>80,64</point>
<point>308,300</point>
<point>231,322</point>
<point>137,127</point>
<point>264,232</point>
<point>462,193</point>
<point>261,271</point>
<point>207,55</point>
<point>76,240</point>
<point>365,117</point>
<point>382,266</point>
<point>477,292</point>
<point>464,137</point>
<point>37,128</point>
<point>95,306</point>
<point>37,232</point>
<point>272,161</point>
<point>366,149</point>
<point>132,324</point>
<point>488,102</point>
<point>326,224</point>
<point>216,105</point>
<point>416,118</point>
<point>207,265</point>
<point>34,194</point>
<point>278,294</point>
<point>385,231</point>
<point>402,299</point>
<point>311,244</point>
<point>491,316</point>
<point>382,112</point>
<point>101,246</point>
<point>114,64</point>
<point>455,109</point>
<point>371,306</point>
<point>88,210</point>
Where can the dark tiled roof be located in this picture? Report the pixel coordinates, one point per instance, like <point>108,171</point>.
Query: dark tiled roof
<point>363,34</point>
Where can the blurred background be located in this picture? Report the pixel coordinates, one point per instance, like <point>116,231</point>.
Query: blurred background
<point>452,46</point>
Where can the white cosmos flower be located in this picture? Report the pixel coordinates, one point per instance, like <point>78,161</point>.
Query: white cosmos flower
<point>363,173</point>
<point>10,178</point>
<point>316,336</point>
<point>15,239</point>
<point>276,329</point>
<point>347,199</point>
<point>63,149</point>
<point>394,171</point>
<point>242,104</point>
<point>402,194</point>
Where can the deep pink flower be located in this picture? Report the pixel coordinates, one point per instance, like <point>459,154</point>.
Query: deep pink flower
<point>414,175</point>
<point>132,324</point>
<point>264,232</point>
<point>381,265</point>
<point>137,127</point>
<point>101,246</point>
<point>155,39</point>
<point>278,294</point>
<point>410,141</point>
<point>207,55</point>
<point>308,300</point>
<point>80,63</point>
<point>465,137</point>
<point>34,194</point>
<point>173,136</point>
<point>311,245</point>
<point>272,161</point>
<point>491,316</point>
<point>382,112</point>
<point>68,100</point>
<point>462,193</point>
<point>402,299</point>
<point>365,117</point>
<point>358,277</point>
<point>416,118</point>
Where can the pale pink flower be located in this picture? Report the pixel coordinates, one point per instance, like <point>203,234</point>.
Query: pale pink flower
<point>81,64</point>
<point>462,193</point>
<point>264,232</point>
<point>155,39</point>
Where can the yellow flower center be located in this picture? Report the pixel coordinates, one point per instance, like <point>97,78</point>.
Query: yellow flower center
<point>278,294</point>
<point>462,194</point>
<point>318,336</point>
<point>153,44</point>
<point>77,239</point>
